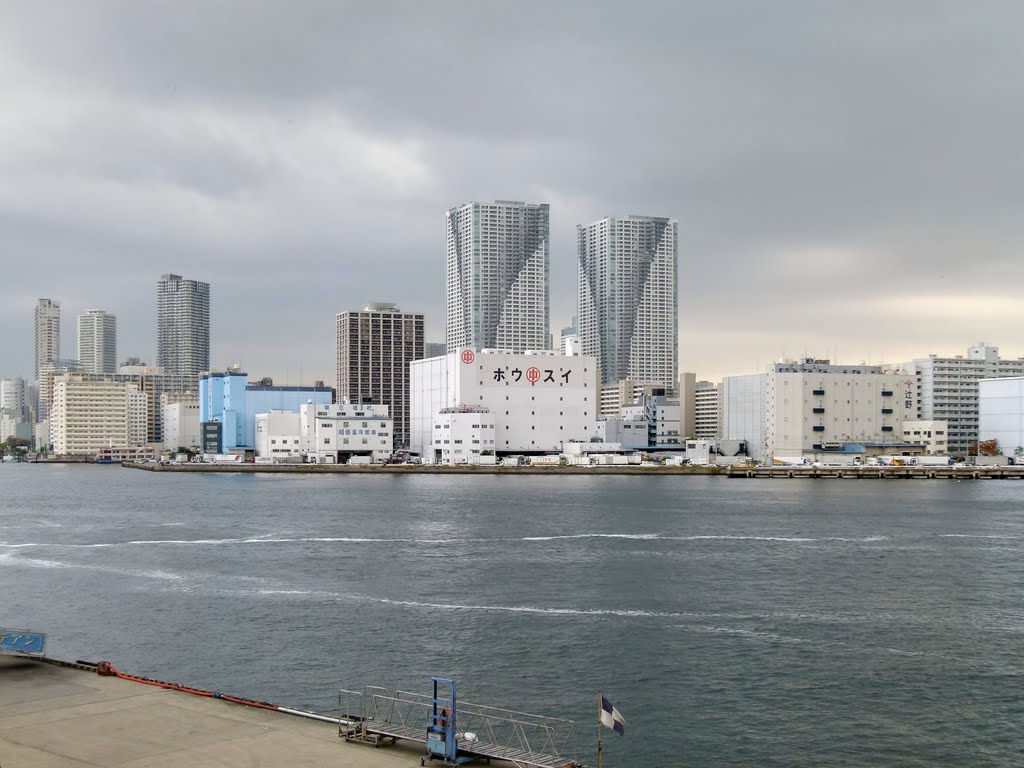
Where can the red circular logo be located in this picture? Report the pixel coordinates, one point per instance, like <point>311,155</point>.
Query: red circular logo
<point>533,375</point>
<point>468,356</point>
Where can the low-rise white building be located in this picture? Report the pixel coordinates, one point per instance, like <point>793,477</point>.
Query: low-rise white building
<point>463,435</point>
<point>652,422</point>
<point>278,436</point>
<point>701,452</point>
<point>1001,413</point>
<point>337,433</point>
<point>180,416</point>
<point>932,435</point>
<point>539,400</point>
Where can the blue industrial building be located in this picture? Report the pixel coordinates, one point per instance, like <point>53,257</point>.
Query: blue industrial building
<point>228,398</point>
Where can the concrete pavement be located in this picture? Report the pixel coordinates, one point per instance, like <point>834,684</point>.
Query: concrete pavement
<point>59,717</point>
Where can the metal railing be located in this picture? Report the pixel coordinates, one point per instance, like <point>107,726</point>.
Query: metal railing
<point>519,737</point>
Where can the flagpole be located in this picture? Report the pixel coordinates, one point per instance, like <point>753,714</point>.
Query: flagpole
<point>600,709</point>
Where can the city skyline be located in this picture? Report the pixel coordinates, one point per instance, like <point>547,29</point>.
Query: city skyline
<point>844,177</point>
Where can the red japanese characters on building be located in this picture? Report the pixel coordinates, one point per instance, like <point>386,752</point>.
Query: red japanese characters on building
<point>533,375</point>
<point>468,356</point>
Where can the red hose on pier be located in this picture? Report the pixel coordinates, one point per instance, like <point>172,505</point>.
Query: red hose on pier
<point>106,669</point>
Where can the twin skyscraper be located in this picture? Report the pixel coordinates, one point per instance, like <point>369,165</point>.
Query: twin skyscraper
<point>498,287</point>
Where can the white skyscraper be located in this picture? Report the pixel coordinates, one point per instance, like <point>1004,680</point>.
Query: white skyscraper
<point>498,276</point>
<point>629,298</point>
<point>97,341</point>
<point>47,333</point>
<point>183,331</point>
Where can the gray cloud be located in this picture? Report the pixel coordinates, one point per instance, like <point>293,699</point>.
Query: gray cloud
<point>845,174</point>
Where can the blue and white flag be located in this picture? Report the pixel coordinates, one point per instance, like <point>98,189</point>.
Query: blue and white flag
<point>610,717</point>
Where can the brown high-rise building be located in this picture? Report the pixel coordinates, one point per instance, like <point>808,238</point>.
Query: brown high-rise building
<point>375,346</point>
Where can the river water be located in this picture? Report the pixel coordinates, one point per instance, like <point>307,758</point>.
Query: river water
<point>732,622</point>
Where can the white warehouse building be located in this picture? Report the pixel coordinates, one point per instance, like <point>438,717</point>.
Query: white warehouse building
<point>326,434</point>
<point>812,407</point>
<point>278,435</point>
<point>1001,413</point>
<point>337,433</point>
<point>538,400</point>
<point>180,420</point>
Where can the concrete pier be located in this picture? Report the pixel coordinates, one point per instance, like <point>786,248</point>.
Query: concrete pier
<point>881,473</point>
<point>65,717</point>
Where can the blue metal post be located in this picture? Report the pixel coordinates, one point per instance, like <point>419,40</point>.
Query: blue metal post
<point>446,723</point>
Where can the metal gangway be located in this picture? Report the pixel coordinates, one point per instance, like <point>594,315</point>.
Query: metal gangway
<point>378,716</point>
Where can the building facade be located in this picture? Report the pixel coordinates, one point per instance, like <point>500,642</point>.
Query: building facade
<point>707,405</point>
<point>45,390</point>
<point>227,398</point>
<point>13,410</point>
<point>947,389</point>
<point>222,399</point>
<point>463,435</point>
<point>47,328</point>
<point>151,380</point>
<point>97,341</point>
<point>340,432</point>
<point>538,400</point>
<point>933,436</point>
<point>277,436</point>
<point>90,414</point>
<point>497,281</point>
<point>616,396</point>
<point>1001,414</point>
<point>811,407</point>
<point>434,348</point>
<point>375,347</point>
<point>653,422</point>
<point>628,297</point>
<point>183,331</point>
<point>13,394</point>
<point>180,421</point>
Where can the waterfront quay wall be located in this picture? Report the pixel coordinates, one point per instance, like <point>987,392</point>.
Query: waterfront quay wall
<point>880,473</point>
<point>736,472</point>
<point>425,469</point>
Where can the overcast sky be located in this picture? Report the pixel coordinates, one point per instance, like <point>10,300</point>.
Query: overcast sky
<point>848,176</point>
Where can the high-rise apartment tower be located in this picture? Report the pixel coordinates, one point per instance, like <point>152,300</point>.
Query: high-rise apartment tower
<point>498,276</point>
<point>375,346</point>
<point>629,298</point>
<point>97,341</point>
<point>182,331</point>
<point>47,333</point>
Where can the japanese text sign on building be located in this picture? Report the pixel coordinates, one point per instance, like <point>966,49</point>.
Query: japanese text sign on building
<point>18,641</point>
<point>532,375</point>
